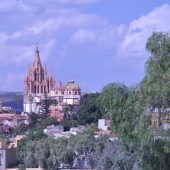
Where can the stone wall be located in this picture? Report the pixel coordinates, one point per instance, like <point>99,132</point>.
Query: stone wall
<point>7,158</point>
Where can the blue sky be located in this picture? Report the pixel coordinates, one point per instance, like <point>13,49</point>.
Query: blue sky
<point>93,42</point>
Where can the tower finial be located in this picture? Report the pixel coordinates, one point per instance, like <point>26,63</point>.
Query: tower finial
<point>36,48</point>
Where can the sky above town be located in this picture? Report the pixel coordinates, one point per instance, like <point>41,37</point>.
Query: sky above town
<point>94,42</point>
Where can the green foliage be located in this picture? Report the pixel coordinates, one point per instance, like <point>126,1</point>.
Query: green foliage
<point>112,95</point>
<point>156,84</point>
<point>41,121</point>
<point>33,119</point>
<point>24,152</point>
<point>1,137</point>
<point>68,108</point>
<point>89,110</point>
<point>35,150</point>
<point>46,103</point>
<point>69,123</point>
<point>21,167</point>
<point>129,107</point>
<point>125,106</point>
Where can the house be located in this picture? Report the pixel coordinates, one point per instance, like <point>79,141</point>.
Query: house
<point>12,119</point>
<point>52,130</point>
<point>166,122</point>
<point>162,120</point>
<point>155,119</point>
<point>104,124</point>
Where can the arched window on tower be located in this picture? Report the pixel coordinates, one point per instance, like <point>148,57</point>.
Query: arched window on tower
<point>35,76</point>
<point>35,89</point>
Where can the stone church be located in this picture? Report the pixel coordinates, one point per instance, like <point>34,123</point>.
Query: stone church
<point>37,82</point>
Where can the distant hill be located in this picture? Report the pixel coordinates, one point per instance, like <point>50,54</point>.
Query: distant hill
<point>12,99</point>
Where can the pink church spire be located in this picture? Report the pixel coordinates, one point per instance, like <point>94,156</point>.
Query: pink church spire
<point>51,80</point>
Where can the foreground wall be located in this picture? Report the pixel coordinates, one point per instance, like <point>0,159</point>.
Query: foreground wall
<point>7,158</point>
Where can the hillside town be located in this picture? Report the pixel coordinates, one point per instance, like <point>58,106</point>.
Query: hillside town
<point>93,92</point>
<point>63,101</point>
<point>55,104</point>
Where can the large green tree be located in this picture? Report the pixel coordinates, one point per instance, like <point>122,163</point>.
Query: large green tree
<point>156,84</point>
<point>89,110</point>
<point>126,108</point>
<point>156,95</point>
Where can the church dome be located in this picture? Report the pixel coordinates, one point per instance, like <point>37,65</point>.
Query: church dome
<point>72,86</point>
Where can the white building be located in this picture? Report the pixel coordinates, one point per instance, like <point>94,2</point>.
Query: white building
<point>104,124</point>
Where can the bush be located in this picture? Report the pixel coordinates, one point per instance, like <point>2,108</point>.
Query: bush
<point>21,167</point>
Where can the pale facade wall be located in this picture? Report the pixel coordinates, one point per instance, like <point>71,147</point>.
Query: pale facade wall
<point>166,125</point>
<point>7,158</point>
<point>68,101</point>
<point>102,125</point>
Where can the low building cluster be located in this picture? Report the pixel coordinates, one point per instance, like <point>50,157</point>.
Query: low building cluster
<point>57,132</point>
<point>160,121</point>
<point>10,121</point>
<point>13,119</point>
<point>104,130</point>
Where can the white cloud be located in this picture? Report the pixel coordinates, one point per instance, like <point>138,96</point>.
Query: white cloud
<point>62,2</point>
<point>3,39</point>
<point>77,2</point>
<point>27,6</point>
<point>78,20</point>
<point>133,44</point>
<point>14,6</point>
<point>83,36</point>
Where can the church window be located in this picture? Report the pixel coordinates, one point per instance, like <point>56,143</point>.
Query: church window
<point>38,76</point>
<point>35,76</point>
<point>35,89</point>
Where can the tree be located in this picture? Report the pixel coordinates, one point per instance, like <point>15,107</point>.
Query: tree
<point>156,94</point>
<point>89,110</point>
<point>69,124</point>
<point>46,102</point>
<point>126,108</point>
<point>156,84</point>
<point>33,120</point>
<point>21,167</point>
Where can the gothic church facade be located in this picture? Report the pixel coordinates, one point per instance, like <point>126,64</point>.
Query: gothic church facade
<point>37,83</point>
